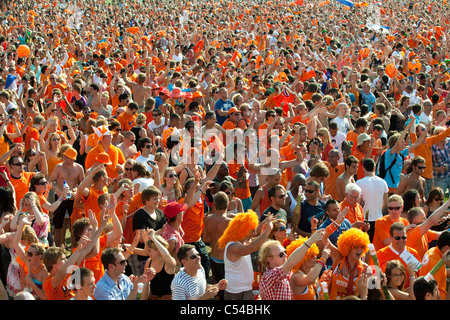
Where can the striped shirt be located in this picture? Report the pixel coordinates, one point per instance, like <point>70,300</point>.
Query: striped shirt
<point>186,287</point>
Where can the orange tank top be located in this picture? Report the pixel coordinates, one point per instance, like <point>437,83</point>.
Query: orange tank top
<point>308,294</point>
<point>338,285</point>
<point>265,201</point>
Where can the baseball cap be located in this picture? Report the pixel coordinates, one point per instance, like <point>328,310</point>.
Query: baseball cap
<point>103,157</point>
<point>174,208</point>
<point>363,137</point>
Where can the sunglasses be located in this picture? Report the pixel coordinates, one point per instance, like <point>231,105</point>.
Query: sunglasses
<point>148,146</point>
<point>394,208</point>
<point>171,175</point>
<point>421,168</point>
<point>122,262</point>
<point>56,139</point>
<point>282,228</point>
<point>282,254</point>
<point>194,256</point>
<point>281,196</point>
<point>129,169</point>
<point>400,238</point>
<point>43,183</point>
<point>309,191</point>
<point>30,254</point>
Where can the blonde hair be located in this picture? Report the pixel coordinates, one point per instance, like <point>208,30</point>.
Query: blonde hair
<point>266,251</point>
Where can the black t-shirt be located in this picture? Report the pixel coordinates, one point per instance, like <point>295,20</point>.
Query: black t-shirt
<point>142,220</point>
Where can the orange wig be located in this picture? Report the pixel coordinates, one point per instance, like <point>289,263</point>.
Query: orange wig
<point>350,238</point>
<point>313,251</point>
<point>239,228</point>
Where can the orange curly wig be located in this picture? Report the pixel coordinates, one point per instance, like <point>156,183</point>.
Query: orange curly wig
<point>239,228</point>
<point>314,250</point>
<point>352,237</point>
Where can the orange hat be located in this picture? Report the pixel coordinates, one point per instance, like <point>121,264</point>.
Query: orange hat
<point>103,157</point>
<point>232,110</point>
<point>197,94</point>
<point>71,153</point>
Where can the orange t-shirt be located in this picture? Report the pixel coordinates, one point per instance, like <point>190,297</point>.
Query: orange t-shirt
<point>90,202</point>
<point>135,204</point>
<point>330,182</point>
<point>353,136</point>
<point>241,193</point>
<point>95,263</point>
<point>126,121</point>
<point>61,292</point>
<point>354,214</point>
<point>430,259</point>
<point>22,185</point>
<point>382,227</point>
<point>49,90</point>
<point>115,156</point>
<point>192,224</point>
<point>360,156</point>
<point>417,241</point>
<point>386,254</point>
<point>424,150</point>
<point>31,133</point>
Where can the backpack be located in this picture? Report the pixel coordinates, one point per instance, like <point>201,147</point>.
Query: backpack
<point>382,170</point>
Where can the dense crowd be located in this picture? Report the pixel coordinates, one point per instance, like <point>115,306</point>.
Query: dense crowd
<point>224,150</point>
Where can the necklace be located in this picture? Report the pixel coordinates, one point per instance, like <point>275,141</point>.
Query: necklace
<point>39,269</point>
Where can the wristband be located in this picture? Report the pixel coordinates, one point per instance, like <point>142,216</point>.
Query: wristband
<point>331,228</point>
<point>322,262</point>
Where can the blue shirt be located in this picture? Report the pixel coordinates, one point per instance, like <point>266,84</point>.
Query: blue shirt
<point>308,211</point>
<point>396,170</point>
<point>224,106</point>
<point>368,99</point>
<point>107,288</point>
<point>345,225</point>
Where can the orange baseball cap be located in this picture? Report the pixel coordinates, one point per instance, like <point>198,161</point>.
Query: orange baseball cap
<point>103,157</point>
<point>232,110</point>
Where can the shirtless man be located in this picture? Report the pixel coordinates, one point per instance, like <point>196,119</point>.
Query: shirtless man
<point>214,226</point>
<point>414,179</point>
<point>128,146</point>
<point>94,99</point>
<point>351,166</point>
<point>140,91</point>
<point>73,174</point>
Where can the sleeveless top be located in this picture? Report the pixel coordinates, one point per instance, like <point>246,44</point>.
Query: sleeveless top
<point>308,294</point>
<point>293,202</point>
<point>239,274</point>
<point>338,283</point>
<point>136,131</point>
<point>265,201</point>
<point>160,284</point>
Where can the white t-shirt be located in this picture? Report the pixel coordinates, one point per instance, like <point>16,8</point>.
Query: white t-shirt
<point>157,129</point>
<point>337,140</point>
<point>143,160</point>
<point>143,183</point>
<point>343,125</point>
<point>372,192</point>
